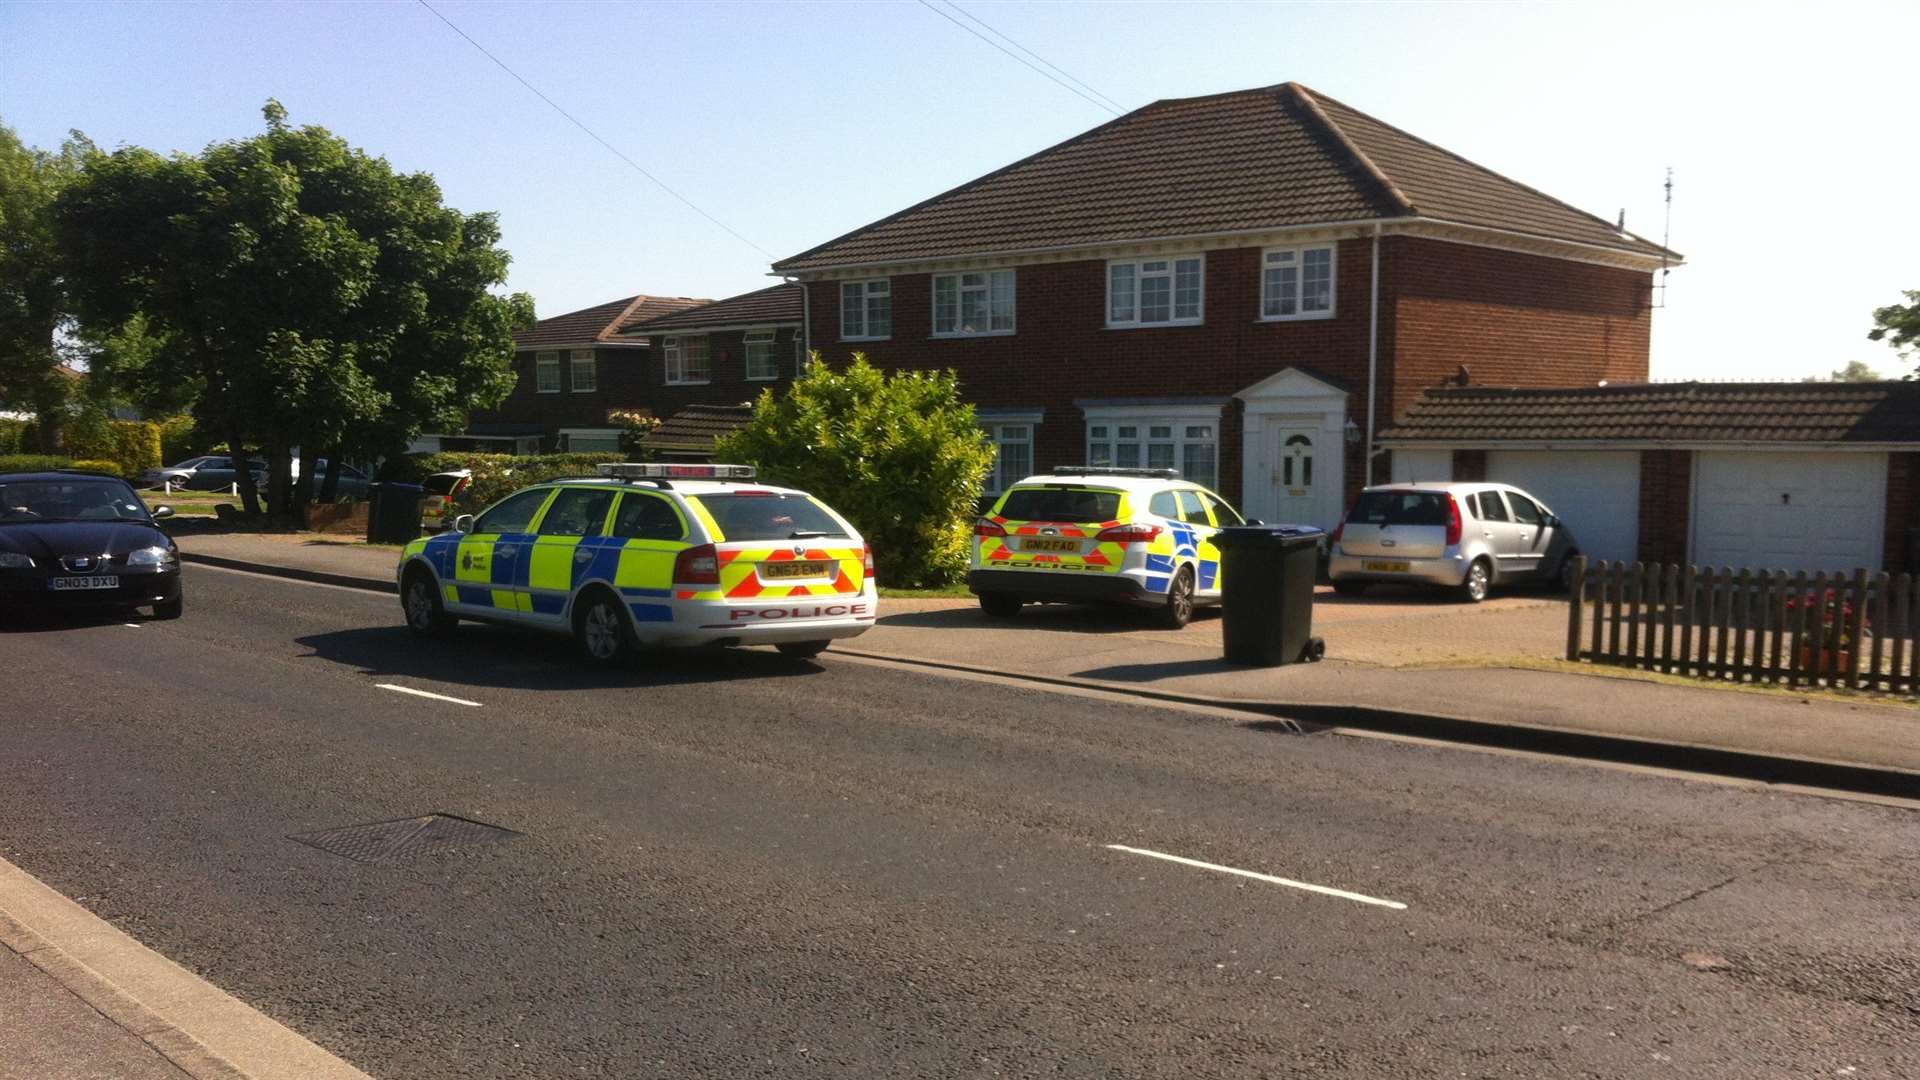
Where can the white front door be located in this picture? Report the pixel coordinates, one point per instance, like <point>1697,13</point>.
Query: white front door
<point>1296,496</point>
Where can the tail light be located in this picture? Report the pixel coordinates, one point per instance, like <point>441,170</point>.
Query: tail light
<point>1129,534</point>
<point>1341,529</point>
<point>1453,521</point>
<point>987,527</point>
<point>697,566</point>
<point>866,564</point>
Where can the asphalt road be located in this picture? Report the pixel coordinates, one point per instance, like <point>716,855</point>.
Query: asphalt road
<point>742,865</point>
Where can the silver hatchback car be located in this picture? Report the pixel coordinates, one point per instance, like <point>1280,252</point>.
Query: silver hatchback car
<point>1467,537</point>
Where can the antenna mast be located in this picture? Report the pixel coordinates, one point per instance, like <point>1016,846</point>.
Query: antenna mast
<point>1666,238</point>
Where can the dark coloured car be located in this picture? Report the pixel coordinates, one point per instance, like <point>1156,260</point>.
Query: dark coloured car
<point>74,541</point>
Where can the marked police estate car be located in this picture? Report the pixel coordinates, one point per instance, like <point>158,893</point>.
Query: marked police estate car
<point>1136,536</point>
<point>648,555</point>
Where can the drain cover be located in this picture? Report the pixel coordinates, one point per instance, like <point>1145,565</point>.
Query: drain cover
<point>386,841</point>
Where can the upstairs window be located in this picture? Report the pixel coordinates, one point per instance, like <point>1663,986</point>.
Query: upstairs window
<point>1296,283</point>
<point>1155,292</point>
<point>586,377</point>
<point>760,362</point>
<point>974,303</point>
<point>686,360</point>
<point>866,309</point>
<point>546,372</point>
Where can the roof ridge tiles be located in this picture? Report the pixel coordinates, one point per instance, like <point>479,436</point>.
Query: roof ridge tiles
<point>1394,195</point>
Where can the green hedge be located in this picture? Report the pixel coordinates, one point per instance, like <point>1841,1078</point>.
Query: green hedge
<point>33,462</point>
<point>13,436</point>
<point>131,446</point>
<point>180,439</point>
<point>495,476</point>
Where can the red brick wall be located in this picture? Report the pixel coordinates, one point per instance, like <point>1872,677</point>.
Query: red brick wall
<point>1512,319</point>
<point>1666,478</point>
<point>632,378</point>
<point>1903,510</point>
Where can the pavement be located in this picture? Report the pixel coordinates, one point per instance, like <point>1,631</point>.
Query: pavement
<point>1401,662</point>
<point>739,864</point>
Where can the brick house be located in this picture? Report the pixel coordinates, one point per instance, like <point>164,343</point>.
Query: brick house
<point>655,355</point>
<point>1244,286</point>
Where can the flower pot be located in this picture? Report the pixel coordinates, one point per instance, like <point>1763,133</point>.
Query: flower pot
<point>1838,661</point>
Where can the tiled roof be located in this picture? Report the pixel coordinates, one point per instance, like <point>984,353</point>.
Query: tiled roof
<point>1253,159</point>
<point>693,429</point>
<point>599,322</point>
<point>1666,413</point>
<point>774,304</point>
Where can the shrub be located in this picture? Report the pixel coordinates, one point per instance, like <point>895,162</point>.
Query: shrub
<point>33,462</point>
<point>95,466</point>
<point>502,474</point>
<point>180,439</point>
<point>899,455</point>
<point>130,447</point>
<point>13,436</point>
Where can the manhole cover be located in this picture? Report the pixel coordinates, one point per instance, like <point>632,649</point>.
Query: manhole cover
<point>385,841</point>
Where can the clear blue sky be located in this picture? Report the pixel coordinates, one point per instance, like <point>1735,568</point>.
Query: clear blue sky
<point>1790,128</point>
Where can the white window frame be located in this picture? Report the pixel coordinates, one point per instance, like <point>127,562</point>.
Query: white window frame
<point>573,372</point>
<point>1299,255</point>
<point>960,288</point>
<point>867,293</point>
<point>1144,418</point>
<point>674,352</point>
<point>545,363</point>
<point>762,340</point>
<point>1171,273</point>
<point>996,429</point>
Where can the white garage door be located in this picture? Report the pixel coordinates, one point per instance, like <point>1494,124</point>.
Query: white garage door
<point>1417,466</point>
<point>1789,510</point>
<point>1597,493</point>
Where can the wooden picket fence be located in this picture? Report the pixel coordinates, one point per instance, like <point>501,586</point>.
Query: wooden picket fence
<point>1767,626</point>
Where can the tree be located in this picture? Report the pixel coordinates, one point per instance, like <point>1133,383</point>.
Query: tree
<point>33,294</point>
<point>296,290</point>
<point>1898,324</point>
<point>1855,371</point>
<point>900,455</point>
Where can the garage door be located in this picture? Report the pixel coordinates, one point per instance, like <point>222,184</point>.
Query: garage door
<point>1416,466</point>
<point>1597,493</point>
<point>1789,511</point>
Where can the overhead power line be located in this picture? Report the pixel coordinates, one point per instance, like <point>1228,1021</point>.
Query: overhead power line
<point>1083,94</point>
<point>1062,72</point>
<point>594,135</point>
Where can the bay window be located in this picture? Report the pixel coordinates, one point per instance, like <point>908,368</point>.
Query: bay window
<point>1296,283</point>
<point>1155,292</point>
<point>973,303</point>
<point>866,309</point>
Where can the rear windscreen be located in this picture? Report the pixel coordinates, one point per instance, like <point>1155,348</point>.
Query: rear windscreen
<point>1399,508</point>
<point>770,517</point>
<point>1076,505</point>
<point>441,485</point>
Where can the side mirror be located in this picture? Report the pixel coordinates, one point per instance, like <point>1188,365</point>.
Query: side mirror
<point>1255,521</point>
<point>1551,521</point>
<point>159,512</point>
<point>463,523</point>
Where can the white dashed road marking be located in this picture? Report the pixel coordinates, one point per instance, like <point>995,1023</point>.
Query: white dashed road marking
<point>1288,882</point>
<point>425,694</point>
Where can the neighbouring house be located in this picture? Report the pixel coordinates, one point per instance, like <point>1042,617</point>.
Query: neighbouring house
<point>1245,287</point>
<point>689,434</point>
<point>716,358</point>
<point>651,355</point>
<point>1794,476</point>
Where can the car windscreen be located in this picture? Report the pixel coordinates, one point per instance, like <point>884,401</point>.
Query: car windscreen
<point>70,500</point>
<point>1080,506</point>
<point>441,483</point>
<point>1399,508</point>
<point>769,516</point>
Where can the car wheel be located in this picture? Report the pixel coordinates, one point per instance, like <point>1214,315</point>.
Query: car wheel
<point>802,650</point>
<point>1563,577</point>
<point>1000,605</point>
<point>1179,609</point>
<point>601,629</point>
<point>170,609</point>
<point>1479,579</point>
<point>420,602</point>
<point>1350,588</point>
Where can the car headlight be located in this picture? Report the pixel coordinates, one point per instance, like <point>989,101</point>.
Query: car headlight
<point>13,560</point>
<point>150,556</point>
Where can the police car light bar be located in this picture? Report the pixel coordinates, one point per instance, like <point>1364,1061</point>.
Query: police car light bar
<point>634,470</point>
<point>1149,474</point>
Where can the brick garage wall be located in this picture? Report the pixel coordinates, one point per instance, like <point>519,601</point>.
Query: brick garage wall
<point>1062,351</point>
<point>1666,478</point>
<point>1903,504</point>
<point>1512,319</point>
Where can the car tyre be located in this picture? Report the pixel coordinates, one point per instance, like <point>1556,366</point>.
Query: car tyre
<point>802,650</point>
<point>170,609</point>
<point>1478,582</point>
<point>1000,605</point>
<point>1178,611</point>
<point>1350,588</point>
<point>420,603</point>
<point>1563,577</point>
<point>600,626</point>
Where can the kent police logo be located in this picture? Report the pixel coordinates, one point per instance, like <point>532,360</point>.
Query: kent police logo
<point>466,560</point>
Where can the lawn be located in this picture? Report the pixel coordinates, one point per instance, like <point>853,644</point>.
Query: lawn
<point>190,503</point>
<point>948,592</point>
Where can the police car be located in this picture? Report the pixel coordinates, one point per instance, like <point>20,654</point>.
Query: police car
<point>1136,536</point>
<point>647,555</point>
